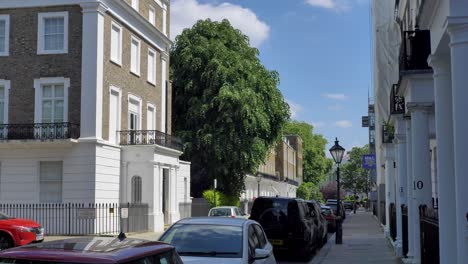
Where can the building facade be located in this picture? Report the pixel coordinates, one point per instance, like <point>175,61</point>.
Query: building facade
<point>420,62</point>
<point>86,105</point>
<point>281,173</point>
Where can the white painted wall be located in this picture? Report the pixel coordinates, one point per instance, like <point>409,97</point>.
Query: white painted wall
<point>267,188</point>
<point>90,174</point>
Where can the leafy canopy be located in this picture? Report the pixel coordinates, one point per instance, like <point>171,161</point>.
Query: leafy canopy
<point>354,177</point>
<point>227,106</point>
<point>315,164</point>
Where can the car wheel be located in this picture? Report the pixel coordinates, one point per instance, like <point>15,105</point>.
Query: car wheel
<point>5,242</point>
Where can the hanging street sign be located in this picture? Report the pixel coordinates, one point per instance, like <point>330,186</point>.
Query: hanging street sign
<point>368,161</point>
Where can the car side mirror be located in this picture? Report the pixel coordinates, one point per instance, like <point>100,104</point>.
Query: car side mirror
<point>261,253</point>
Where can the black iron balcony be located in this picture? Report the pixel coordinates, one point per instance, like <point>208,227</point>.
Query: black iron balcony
<point>39,131</point>
<point>292,182</point>
<point>415,49</point>
<point>149,137</point>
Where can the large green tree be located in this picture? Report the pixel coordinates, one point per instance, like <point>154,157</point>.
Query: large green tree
<point>227,106</point>
<point>354,177</point>
<point>315,164</point>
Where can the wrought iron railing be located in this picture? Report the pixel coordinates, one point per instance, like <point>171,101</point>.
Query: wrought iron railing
<point>429,235</point>
<point>71,219</point>
<point>404,229</point>
<point>149,137</point>
<point>39,131</point>
<point>293,182</point>
<point>415,49</point>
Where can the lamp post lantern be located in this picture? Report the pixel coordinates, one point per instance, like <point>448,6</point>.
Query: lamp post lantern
<point>337,153</point>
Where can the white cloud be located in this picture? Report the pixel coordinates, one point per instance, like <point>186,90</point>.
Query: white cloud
<point>336,5</point>
<point>185,13</point>
<point>295,109</point>
<point>335,96</point>
<point>343,124</point>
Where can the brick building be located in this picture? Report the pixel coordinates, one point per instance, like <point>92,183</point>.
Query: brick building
<point>281,173</point>
<point>85,105</point>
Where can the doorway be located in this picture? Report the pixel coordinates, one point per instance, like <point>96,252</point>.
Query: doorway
<point>165,196</point>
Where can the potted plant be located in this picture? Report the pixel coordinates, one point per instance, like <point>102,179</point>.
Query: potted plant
<point>388,132</point>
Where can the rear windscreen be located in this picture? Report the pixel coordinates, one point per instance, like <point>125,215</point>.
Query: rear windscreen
<point>264,207</point>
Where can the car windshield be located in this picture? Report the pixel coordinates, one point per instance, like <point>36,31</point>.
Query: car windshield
<point>4,216</point>
<point>326,211</point>
<point>205,240</point>
<point>220,212</point>
<point>332,206</point>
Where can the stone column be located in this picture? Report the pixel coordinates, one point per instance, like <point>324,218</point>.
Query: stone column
<point>458,30</point>
<point>445,157</point>
<point>157,214</point>
<point>409,195</point>
<point>421,159</point>
<point>92,70</point>
<point>389,184</point>
<point>174,213</point>
<point>401,181</point>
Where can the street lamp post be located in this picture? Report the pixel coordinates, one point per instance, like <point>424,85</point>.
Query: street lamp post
<point>259,179</point>
<point>337,153</point>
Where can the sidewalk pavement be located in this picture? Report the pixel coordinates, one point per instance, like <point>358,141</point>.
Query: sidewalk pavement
<point>363,243</point>
<point>145,235</point>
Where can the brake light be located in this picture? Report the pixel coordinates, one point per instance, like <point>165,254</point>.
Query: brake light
<point>232,216</point>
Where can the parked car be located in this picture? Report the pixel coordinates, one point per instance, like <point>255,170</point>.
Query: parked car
<point>320,222</point>
<point>333,204</point>
<point>287,223</point>
<point>328,213</point>
<point>219,240</point>
<point>226,211</point>
<point>18,231</point>
<point>93,250</point>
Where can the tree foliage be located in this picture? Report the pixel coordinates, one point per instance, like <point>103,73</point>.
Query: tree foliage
<point>221,199</point>
<point>329,191</point>
<point>309,191</point>
<point>315,164</point>
<point>226,106</point>
<point>353,176</point>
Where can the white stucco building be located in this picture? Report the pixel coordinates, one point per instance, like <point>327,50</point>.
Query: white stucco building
<point>85,106</point>
<point>421,88</point>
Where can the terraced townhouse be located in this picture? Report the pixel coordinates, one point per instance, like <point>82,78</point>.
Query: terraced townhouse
<point>85,106</point>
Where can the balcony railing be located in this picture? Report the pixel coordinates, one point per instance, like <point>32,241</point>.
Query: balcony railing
<point>149,137</point>
<point>415,49</point>
<point>39,131</point>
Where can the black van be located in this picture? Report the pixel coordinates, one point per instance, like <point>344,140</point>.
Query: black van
<point>288,224</point>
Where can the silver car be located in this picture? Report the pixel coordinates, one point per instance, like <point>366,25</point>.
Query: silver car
<point>226,211</point>
<point>220,240</point>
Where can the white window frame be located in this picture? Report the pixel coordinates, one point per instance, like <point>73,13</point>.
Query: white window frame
<point>119,114</point>
<point>138,60</point>
<point>153,108</point>
<point>164,19</point>
<point>38,83</point>
<point>6,18</point>
<point>6,84</point>
<point>136,5</point>
<point>117,60</point>
<point>151,51</point>
<point>152,20</point>
<point>41,32</point>
<point>135,98</point>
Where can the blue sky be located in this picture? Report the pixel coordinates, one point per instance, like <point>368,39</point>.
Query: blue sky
<point>321,49</point>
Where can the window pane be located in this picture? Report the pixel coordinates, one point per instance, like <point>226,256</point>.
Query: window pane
<point>53,25</point>
<point>51,181</point>
<point>46,91</point>
<point>151,70</point>
<point>151,16</point>
<point>2,93</point>
<point>2,35</point>
<point>115,43</point>
<point>46,111</point>
<point>53,42</point>
<point>58,111</point>
<point>2,111</point>
<point>59,90</point>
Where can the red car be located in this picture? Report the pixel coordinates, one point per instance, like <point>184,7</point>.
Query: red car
<point>18,232</point>
<point>93,250</point>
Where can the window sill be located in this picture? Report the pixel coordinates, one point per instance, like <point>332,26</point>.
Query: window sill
<point>51,52</point>
<point>151,83</point>
<point>4,54</point>
<point>116,63</point>
<point>135,73</point>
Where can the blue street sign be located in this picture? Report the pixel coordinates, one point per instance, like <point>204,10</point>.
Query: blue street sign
<point>368,161</point>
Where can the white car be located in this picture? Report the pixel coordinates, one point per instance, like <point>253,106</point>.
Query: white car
<point>220,240</point>
<point>226,211</point>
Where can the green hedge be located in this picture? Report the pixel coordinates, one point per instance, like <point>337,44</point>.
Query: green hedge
<point>221,199</point>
